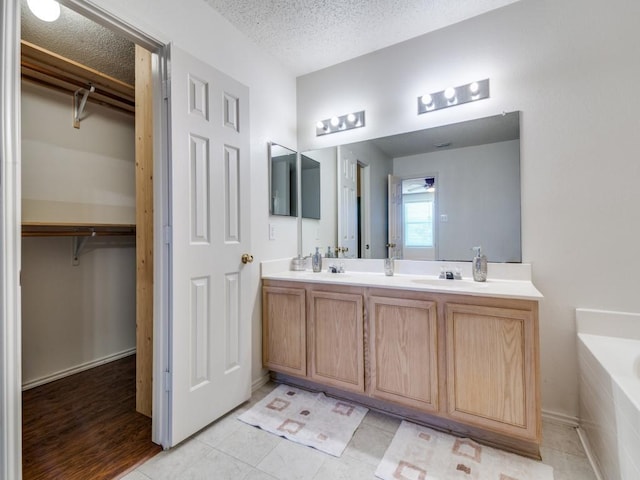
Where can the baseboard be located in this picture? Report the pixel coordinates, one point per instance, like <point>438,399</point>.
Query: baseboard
<point>560,418</point>
<point>77,369</point>
<point>587,448</point>
<point>259,382</point>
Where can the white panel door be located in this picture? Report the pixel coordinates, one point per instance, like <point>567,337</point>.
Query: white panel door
<point>210,338</point>
<point>395,217</point>
<point>347,207</point>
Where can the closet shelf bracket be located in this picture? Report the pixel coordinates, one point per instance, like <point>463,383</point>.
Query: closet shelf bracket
<point>77,244</point>
<point>79,103</point>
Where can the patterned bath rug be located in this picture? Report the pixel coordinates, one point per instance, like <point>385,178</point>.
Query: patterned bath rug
<point>420,453</point>
<point>311,419</point>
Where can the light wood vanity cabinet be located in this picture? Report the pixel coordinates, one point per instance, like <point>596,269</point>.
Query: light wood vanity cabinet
<point>403,347</point>
<point>491,357</point>
<point>284,334</point>
<point>458,362</point>
<point>336,343</point>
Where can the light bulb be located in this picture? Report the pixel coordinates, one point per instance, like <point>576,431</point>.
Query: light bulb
<point>450,93</point>
<point>320,125</point>
<point>351,118</point>
<point>474,88</point>
<point>427,100</point>
<point>335,121</point>
<point>45,10</point>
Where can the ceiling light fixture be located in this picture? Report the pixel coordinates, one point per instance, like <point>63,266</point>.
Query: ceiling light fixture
<point>45,10</point>
<point>453,96</point>
<point>340,123</point>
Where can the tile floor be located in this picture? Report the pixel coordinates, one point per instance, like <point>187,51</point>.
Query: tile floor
<point>232,450</point>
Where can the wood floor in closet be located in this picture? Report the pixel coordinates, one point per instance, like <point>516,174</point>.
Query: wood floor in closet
<point>85,426</point>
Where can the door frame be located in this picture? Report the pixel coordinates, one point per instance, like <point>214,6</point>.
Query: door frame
<point>10,214</point>
<point>364,171</point>
<point>10,227</point>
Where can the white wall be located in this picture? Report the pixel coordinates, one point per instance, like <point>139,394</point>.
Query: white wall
<point>196,28</point>
<point>74,315</point>
<point>71,175</point>
<point>490,175</point>
<point>571,68</point>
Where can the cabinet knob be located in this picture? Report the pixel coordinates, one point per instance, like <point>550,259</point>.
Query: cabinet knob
<point>247,258</point>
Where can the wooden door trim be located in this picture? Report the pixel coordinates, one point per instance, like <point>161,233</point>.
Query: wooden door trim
<point>144,230</point>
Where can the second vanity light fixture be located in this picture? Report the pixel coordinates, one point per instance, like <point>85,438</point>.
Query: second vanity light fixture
<point>452,96</point>
<point>340,124</point>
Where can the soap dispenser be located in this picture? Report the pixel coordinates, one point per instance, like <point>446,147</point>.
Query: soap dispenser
<point>479,265</point>
<point>316,261</point>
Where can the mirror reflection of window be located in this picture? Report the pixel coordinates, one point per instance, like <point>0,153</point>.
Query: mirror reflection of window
<point>418,213</point>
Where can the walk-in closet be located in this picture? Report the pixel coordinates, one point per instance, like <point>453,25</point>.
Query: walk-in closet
<point>87,236</point>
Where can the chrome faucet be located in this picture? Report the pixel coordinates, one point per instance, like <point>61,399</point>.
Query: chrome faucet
<point>336,268</point>
<point>446,274</point>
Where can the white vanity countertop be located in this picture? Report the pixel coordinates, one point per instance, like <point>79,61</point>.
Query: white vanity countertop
<point>493,287</point>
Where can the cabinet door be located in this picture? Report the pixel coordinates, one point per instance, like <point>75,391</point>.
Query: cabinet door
<point>491,365</point>
<point>284,330</point>
<point>337,339</point>
<point>404,352</point>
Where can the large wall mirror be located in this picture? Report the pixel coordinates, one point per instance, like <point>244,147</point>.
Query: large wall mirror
<point>283,181</point>
<point>430,194</point>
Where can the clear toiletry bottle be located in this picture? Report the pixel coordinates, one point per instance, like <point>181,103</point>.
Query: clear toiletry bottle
<point>316,261</point>
<point>479,265</point>
<point>388,266</point>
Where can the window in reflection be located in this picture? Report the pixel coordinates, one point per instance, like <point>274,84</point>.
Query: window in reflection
<point>418,207</point>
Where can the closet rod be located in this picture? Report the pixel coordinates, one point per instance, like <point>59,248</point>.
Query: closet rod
<point>69,230</point>
<point>78,234</point>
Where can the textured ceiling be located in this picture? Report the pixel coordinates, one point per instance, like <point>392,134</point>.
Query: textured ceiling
<point>77,38</point>
<point>308,35</point>
<point>305,35</point>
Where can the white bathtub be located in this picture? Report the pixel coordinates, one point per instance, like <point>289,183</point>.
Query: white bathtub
<point>609,364</point>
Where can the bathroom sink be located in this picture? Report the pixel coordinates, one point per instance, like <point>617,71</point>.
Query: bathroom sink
<point>323,274</point>
<point>442,282</point>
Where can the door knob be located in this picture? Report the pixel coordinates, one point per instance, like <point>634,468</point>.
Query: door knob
<point>391,245</point>
<point>247,258</point>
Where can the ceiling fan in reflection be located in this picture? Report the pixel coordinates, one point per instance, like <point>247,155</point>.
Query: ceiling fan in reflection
<point>428,186</point>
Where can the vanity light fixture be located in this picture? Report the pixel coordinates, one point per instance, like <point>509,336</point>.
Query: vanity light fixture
<point>45,10</point>
<point>340,123</point>
<point>451,96</point>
